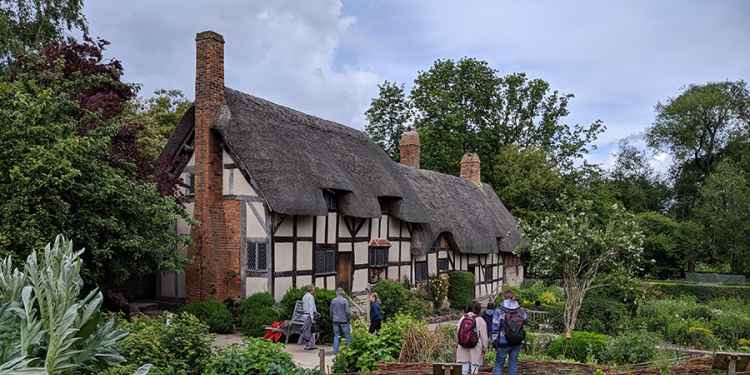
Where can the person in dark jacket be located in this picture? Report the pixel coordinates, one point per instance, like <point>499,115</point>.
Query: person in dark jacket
<point>341,314</point>
<point>487,316</point>
<point>376,313</point>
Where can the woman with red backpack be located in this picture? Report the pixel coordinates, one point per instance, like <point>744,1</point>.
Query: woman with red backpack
<point>472,339</point>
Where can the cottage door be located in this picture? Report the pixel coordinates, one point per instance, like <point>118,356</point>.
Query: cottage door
<point>344,271</point>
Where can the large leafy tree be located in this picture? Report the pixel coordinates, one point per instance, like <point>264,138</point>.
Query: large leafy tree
<point>724,210</point>
<point>465,105</point>
<point>634,182</point>
<point>695,127</point>
<point>585,240</point>
<point>34,23</point>
<point>389,114</point>
<point>69,164</point>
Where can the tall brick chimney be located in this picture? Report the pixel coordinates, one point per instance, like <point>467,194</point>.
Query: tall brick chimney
<point>470,168</point>
<point>204,275</point>
<point>409,148</point>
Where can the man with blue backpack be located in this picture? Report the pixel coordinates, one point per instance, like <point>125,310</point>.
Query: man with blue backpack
<point>508,333</point>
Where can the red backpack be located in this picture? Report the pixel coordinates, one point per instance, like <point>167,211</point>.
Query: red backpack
<point>468,337</point>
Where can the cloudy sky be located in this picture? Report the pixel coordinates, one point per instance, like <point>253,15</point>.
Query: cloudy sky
<point>326,57</point>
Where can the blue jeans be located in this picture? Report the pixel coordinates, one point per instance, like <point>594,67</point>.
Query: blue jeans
<point>512,353</point>
<point>340,329</point>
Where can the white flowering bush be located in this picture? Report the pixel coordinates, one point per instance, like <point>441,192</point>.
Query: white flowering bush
<point>580,243</point>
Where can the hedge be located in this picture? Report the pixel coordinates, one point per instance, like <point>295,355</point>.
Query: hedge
<point>460,289</point>
<point>213,313</point>
<point>582,346</point>
<point>701,292</point>
<point>256,312</point>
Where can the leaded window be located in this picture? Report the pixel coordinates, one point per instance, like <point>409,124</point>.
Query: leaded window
<point>420,271</point>
<point>257,256</point>
<point>442,264</point>
<point>378,257</point>
<point>325,260</point>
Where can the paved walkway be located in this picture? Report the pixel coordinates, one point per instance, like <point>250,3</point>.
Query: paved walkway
<point>300,356</point>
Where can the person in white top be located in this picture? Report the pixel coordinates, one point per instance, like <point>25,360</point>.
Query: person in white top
<point>472,358</point>
<point>308,305</point>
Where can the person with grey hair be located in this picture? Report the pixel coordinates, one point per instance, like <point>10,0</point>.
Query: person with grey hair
<point>311,312</point>
<point>341,314</point>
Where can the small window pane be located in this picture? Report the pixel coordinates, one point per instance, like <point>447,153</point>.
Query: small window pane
<point>420,271</point>
<point>443,264</point>
<point>251,257</point>
<point>262,256</point>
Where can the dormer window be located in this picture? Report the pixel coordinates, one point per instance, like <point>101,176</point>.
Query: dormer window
<point>330,198</point>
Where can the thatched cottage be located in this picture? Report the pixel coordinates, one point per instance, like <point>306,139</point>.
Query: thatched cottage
<point>283,199</point>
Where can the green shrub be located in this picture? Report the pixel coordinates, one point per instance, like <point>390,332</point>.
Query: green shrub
<point>731,326</point>
<point>631,348</point>
<point>393,297</point>
<point>460,289</point>
<point>603,315</point>
<point>213,313</point>
<point>536,294</point>
<point>690,332</point>
<point>174,344</point>
<point>323,299</point>
<point>582,346</point>
<point>256,357</point>
<point>701,292</point>
<point>256,312</point>
<point>367,350</point>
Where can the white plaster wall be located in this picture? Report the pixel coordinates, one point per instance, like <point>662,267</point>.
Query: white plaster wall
<point>304,226</point>
<point>393,224</point>
<point>255,285</point>
<point>282,257</point>
<point>406,272</point>
<point>182,226</point>
<point>432,263</point>
<point>393,273</point>
<point>332,227</point>
<point>255,227</point>
<point>319,282</point>
<point>303,281</point>
<point>320,229</point>
<point>304,256</point>
<point>280,286</point>
<point>343,230</point>
<point>365,229</point>
<point>345,247</point>
<point>360,280</point>
<point>285,229</point>
<point>361,255</point>
<point>420,258</point>
<point>331,282</point>
<point>406,251</point>
<point>393,252</point>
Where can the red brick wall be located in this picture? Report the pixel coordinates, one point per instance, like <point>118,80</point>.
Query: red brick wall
<point>205,276</point>
<point>232,246</point>
<point>409,149</point>
<point>470,168</point>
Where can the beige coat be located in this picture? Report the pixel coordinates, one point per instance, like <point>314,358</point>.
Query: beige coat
<point>474,355</point>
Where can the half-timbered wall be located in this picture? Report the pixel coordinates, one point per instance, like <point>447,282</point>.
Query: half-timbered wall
<point>487,268</point>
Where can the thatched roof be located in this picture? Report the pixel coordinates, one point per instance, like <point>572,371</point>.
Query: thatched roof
<point>291,158</point>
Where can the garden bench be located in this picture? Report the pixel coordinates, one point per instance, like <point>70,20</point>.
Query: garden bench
<point>731,362</point>
<point>292,326</point>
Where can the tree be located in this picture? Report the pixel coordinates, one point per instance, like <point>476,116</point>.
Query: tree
<point>669,245</point>
<point>464,105</point>
<point>68,164</point>
<point>528,181</point>
<point>585,240</point>
<point>388,116</point>
<point>33,24</point>
<point>724,210</point>
<point>634,182</point>
<point>694,128</point>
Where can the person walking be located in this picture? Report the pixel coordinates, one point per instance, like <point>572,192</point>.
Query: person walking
<point>472,339</point>
<point>376,313</point>
<point>308,306</point>
<point>341,314</point>
<point>487,316</point>
<point>508,333</point>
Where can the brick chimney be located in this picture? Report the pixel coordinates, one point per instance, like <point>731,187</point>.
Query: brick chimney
<point>204,275</point>
<point>409,148</point>
<point>470,168</point>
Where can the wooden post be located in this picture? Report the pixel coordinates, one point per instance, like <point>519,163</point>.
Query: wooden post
<point>732,368</point>
<point>322,355</point>
<point>446,369</point>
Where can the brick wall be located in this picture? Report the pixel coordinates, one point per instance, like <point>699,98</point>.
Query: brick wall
<point>470,168</point>
<point>409,149</point>
<point>205,276</point>
<point>232,246</point>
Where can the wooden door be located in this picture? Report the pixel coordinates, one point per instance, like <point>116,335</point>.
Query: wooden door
<point>344,271</point>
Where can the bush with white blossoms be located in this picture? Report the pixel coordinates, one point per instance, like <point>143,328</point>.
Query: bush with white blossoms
<point>580,243</point>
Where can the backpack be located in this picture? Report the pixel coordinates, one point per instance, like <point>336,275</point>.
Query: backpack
<point>513,327</point>
<point>468,337</point>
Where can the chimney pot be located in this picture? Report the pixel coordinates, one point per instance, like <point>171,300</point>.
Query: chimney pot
<point>409,148</point>
<point>471,168</point>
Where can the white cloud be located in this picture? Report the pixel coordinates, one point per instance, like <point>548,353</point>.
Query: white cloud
<point>283,51</point>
